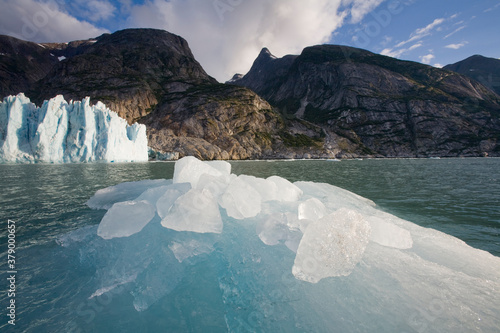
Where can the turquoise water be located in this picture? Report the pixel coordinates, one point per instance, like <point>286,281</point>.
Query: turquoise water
<point>458,196</point>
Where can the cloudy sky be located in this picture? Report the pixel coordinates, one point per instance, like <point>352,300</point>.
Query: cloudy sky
<point>226,35</point>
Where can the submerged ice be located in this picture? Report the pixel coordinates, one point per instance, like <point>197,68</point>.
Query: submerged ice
<point>273,255</point>
<point>59,132</point>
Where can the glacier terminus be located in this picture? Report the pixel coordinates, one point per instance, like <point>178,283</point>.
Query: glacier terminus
<point>61,132</point>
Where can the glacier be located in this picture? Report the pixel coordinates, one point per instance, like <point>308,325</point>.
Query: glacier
<point>295,257</point>
<point>60,132</point>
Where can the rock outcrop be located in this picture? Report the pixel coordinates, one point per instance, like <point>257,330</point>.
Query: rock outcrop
<point>223,122</point>
<point>376,105</point>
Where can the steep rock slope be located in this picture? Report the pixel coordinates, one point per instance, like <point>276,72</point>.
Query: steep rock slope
<point>129,70</point>
<point>22,64</point>
<point>225,122</point>
<point>375,105</point>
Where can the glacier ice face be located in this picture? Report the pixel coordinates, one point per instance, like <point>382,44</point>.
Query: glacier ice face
<point>318,258</point>
<point>60,132</point>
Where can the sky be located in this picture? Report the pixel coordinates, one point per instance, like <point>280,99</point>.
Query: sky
<point>227,35</point>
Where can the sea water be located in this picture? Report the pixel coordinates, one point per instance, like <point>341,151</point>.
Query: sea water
<point>54,280</point>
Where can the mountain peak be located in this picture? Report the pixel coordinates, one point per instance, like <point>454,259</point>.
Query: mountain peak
<point>265,54</point>
<point>480,68</point>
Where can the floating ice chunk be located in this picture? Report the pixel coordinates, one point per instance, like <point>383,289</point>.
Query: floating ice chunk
<point>195,211</point>
<point>106,197</point>
<point>293,240</point>
<point>172,193</point>
<point>125,218</point>
<point>241,200</point>
<point>331,246</point>
<point>286,191</point>
<point>223,166</point>
<point>389,234</point>
<point>267,189</point>
<point>189,170</point>
<point>311,209</point>
<point>188,249</point>
<point>273,229</point>
<point>216,185</point>
<point>280,228</point>
<point>153,194</point>
<point>335,197</point>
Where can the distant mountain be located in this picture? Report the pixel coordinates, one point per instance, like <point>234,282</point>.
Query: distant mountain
<point>482,69</point>
<point>368,104</point>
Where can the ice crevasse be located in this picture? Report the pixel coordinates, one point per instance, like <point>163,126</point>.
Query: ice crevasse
<point>59,132</point>
<point>286,256</point>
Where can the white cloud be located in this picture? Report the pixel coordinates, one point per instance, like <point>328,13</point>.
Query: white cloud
<point>454,32</point>
<point>226,36</point>
<point>427,29</point>
<point>43,22</point>
<point>492,8</point>
<point>426,59</point>
<point>414,46</point>
<point>437,65</point>
<point>386,40</point>
<point>360,8</point>
<point>99,10</point>
<point>415,37</point>
<point>391,53</point>
<point>422,32</point>
<point>456,46</point>
<point>398,53</point>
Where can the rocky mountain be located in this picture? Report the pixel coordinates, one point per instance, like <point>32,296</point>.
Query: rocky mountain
<point>368,104</point>
<point>482,69</point>
<point>130,71</point>
<point>151,76</point>
<point>329,101</point>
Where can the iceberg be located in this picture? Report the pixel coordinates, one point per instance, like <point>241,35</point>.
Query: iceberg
<point>60,132</point>
<point>293,257</point>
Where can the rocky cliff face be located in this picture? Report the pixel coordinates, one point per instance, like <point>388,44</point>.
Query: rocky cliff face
<point>226,122</point>
<point>129,71</point>
<point>482,69</point>
<point>375,105</point>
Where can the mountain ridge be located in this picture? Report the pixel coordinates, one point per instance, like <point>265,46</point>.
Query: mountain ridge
<point>328,102</point>
<point>385,106</point>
